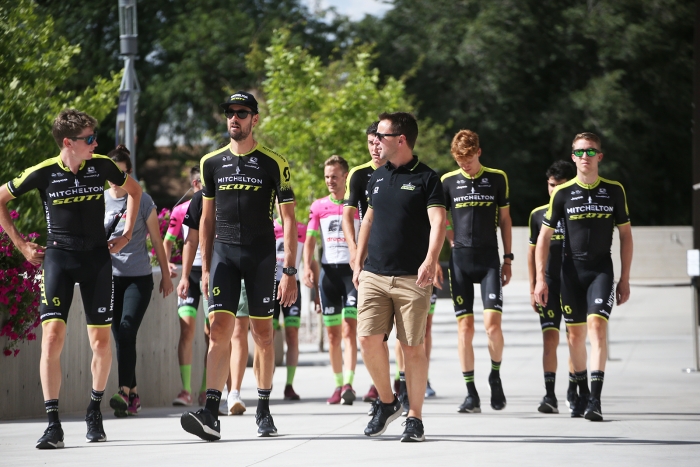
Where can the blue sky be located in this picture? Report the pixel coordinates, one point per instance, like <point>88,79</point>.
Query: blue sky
<point>355,9</point>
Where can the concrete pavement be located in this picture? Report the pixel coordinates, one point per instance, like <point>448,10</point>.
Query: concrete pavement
<point>651,408</point>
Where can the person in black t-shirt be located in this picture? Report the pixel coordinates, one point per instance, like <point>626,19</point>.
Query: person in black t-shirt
<point>590,207</point>
<point>71,186</point>
<point>400,237</point>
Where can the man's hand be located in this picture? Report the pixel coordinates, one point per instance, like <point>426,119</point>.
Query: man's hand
<point>172,267</point>
<point>33,252</point>
<point>425,274</point>
<point>287,290</point>
<point>183,287</point>
<point>438,278</point>
<point>506,273</point>
<point>166,286</point>
<point>622,291</point>
<point>308,278</point>
<point>541,293</point>
<point>205,283</point>
<point>533,303</point>
<point>116,244</point>
<point>356,276</point>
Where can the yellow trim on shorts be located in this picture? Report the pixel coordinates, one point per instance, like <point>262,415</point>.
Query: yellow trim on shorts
<point>466,315</point>
<point>596,316</point>
<point>261,317</point>
<point>99,325</point>
<point>53,319</point>
<point>550,329</point>
<point>575,324</point>
<point>222,311</point>
<point>491,310</point>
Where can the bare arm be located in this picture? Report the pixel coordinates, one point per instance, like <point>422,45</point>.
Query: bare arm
<point>506,224</point>
<point>362,242</point>
<point>287,290</point>
<point>31,251</point>
<point>166,283</point>
<point>541,256</point>
<point>133,201</point>
<point>626,249</point>
<point>308,256</point>
<point>426,272</point>
<point>168,247</point>
<point>349,230</point>
<point>189,251</point>
<point>206,239</point>
<point>532,276</point>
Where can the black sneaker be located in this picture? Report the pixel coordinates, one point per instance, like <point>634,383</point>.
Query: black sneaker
<point>471,404</point>
<point>373,408</point>
<point>498,399</point>
<point>95,431</point>
<point>593,411</point>
<point>571,396</point>
<point>405,405</point>
<point>201,423</point>
<point>53,437</point>
<point>266,426</point>
<point>413,432</point>
<point>579,407</point>
<point>548,405</point>
<point>384,414</point>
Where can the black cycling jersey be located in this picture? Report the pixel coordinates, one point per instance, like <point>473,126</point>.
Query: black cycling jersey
<point>590,212</point>
<point>553,269</point>
<point>73,203</point>
<point>356,187</point>
<point>474,203</point>
<point>194,211</point>
<point>244,186</point>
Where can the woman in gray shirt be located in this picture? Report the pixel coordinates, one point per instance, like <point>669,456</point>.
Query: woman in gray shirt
<point>133,281</point>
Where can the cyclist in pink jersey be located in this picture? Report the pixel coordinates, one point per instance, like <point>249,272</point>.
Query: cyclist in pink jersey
<point>338,294</point>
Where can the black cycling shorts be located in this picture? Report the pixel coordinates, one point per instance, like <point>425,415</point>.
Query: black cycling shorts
<point>92,270</point>
<point>338,294</point>
<point>470,266</point>
<point>586,289</point>
<point>188,306</point>
<point>550,314</point>
<point>292,314</point>
<point>256,265</point>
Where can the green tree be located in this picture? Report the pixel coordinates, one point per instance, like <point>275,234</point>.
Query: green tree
<point>34,64</point>
<point>313,110</point>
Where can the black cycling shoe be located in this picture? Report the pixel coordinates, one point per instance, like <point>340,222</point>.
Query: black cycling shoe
<point>579,407</point>
<point>593,411</point>
<point>384,414</point>
<point>414,431</point>
<point>266,426</point>
<point>95,431</point>
<point>498,399</point>
<point>53,437</point>
<point>405,404</point>
<point>471,404</point>
<point>201,423</point>
<point>548,405</point>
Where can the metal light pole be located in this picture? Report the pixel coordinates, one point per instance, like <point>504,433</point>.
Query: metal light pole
<point>129,90</point>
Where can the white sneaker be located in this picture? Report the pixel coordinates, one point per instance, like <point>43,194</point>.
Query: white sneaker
<point>235,405</point>
<point>223,409</point>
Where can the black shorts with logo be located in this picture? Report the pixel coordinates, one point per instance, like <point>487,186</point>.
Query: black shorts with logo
<point>338,294</point>
<point>470,266</point>
<point>92,270</point>
<point>586,289</point>
<point>256,265</point>
<point>292,314</point>
<point>550,314</point>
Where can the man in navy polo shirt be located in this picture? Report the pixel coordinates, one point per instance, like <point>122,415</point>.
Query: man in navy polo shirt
<point>400,236</point>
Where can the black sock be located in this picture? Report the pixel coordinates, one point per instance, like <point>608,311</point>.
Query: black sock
<point>597,383</point>
<point>495,370</point>
<point>212,403</point>
<point>264,400</point>
<point>549,379</point>
<point>52,410</point>
<point>573,383</point>
<point>402,383</point>
<point>95,399</point>
<point>582,381</point>
<point>471,387</point>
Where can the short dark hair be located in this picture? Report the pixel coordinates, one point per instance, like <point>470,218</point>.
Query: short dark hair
<point>561,170</point>
<point>194,173</point>
<point>337,160</point>
<point>590,137</point>
<point>403,123</point>
<point>121,154</point>
<point>372,129</point>
<point>69,123</point>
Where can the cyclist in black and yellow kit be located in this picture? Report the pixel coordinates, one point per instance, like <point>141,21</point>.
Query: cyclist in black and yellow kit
<point>71,186</point>
<point>591,207</point>
<point>240,182</point>
<point>477,198</point>
<point>550,315</point>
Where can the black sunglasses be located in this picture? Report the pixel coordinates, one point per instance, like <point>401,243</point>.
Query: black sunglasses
<point>242,114</point>
<point>88,139</point>
<point>381,136</point>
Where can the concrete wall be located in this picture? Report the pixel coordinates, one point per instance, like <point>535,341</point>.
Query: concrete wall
<point>659,256</point>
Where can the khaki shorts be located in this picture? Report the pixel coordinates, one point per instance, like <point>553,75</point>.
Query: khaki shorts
<point>383,299</point>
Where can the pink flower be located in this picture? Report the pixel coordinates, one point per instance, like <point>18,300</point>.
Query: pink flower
<point>31,336</point>
<point>16,352</point>
<point>14,336</point>
<point>14,214</point>
<point>7,352</point>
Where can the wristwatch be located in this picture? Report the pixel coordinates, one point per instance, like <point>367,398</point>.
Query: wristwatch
<point>289,271</point>
<point>509,256</point>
